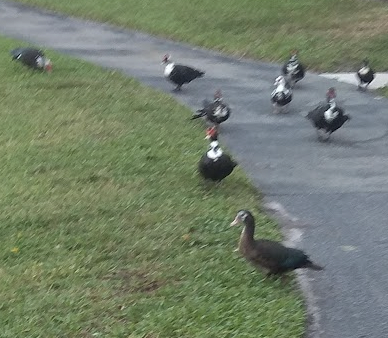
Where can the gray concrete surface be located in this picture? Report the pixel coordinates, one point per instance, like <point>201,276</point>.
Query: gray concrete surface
<point>380,81</point>
<point>332,197</point>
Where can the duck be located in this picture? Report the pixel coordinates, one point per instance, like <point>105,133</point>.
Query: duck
<point>271,256</point>
<point>179,74</point>
<point>281,95</point>
<point>32,57</point>
<point>215,165</point>
<point>328,117</point>
<point>365,75</point>
<point>293,70</point>
<point>215,112</point>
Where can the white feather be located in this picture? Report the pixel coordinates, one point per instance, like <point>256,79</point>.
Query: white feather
<point>169,68</point>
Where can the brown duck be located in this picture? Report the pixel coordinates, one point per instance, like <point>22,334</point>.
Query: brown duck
<point>273,256</point>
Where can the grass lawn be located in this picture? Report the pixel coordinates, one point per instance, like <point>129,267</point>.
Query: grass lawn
<point>331,35</point>
<point>106,228</point>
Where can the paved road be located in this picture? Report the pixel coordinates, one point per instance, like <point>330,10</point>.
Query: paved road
<point>335,194</point>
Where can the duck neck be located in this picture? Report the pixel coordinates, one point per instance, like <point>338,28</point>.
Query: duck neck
<point>249,230</point>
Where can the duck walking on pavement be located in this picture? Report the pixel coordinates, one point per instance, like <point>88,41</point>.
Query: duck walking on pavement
<point>215,112</point>
<point>293,70</point>
<point>365,75</point>
<point>281,96</point>
<point>328,117</point>
<point>179,74</point>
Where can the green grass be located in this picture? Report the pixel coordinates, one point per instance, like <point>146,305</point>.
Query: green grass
<point>331,35</point>
<point>106,229</point>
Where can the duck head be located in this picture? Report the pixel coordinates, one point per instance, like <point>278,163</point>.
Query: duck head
<point>331,94</point>
<point>166,59</point>
<point>44,63</point>
<point>48,66</point>
<point>242,217</point>
<point>280,80</point>
<point>294,56</point>
<point>365,63</point>
<point>211,133</point>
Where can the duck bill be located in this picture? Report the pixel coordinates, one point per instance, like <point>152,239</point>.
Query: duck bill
<point>235,222</point>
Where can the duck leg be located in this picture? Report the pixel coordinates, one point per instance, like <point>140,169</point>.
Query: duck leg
<point>178,88</point>
<point>323,135</point>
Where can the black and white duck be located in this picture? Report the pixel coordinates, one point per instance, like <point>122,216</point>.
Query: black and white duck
<point>33,58</point>
<point>215,165</point>
<point>293,70</point>
<point>214,112</point>
<point>365,75</point>
<point>281,96</point>
<point>268,255</point>
<point>328,116</point>
<point>179,74</point>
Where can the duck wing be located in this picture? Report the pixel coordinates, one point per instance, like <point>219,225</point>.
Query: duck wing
<point>317,116</point>
<point>278,258</point>
<point>184,74</point>
<point>218,112</point>
<point>338,121</point>
<point>27,56</point>
<point>218,169</point>
<point>204,111</point>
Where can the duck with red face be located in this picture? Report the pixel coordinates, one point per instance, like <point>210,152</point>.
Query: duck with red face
<point>215,112</point>
<point>328,117</point>
<point>33,58</point>
<point>179,74</point>
<point>215,165</point>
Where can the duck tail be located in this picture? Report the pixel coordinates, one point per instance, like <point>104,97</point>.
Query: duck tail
<point>199,113</point>
<point>313,266</point>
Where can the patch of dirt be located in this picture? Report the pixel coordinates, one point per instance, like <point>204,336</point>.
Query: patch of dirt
<point>135,281</point>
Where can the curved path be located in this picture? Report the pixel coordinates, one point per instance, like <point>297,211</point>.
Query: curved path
<point>332,197</point>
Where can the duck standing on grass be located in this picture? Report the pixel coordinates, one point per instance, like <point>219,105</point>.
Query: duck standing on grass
<point>293,70</point>
<point>269,255</point>
<point>179,74</point>
<point>281,95</point>
<point>215,112</point>
<point>33,58</point>
<point>365,75</point>
<point>327,117</point>
<point>215,165</point>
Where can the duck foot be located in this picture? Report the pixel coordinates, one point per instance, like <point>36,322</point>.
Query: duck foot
<point>322,135</point>
<point>285,279</point>
<point>177,89</point>
<point>276,110</point>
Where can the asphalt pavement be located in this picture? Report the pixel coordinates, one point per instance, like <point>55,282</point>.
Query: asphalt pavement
<point>329,197</point>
